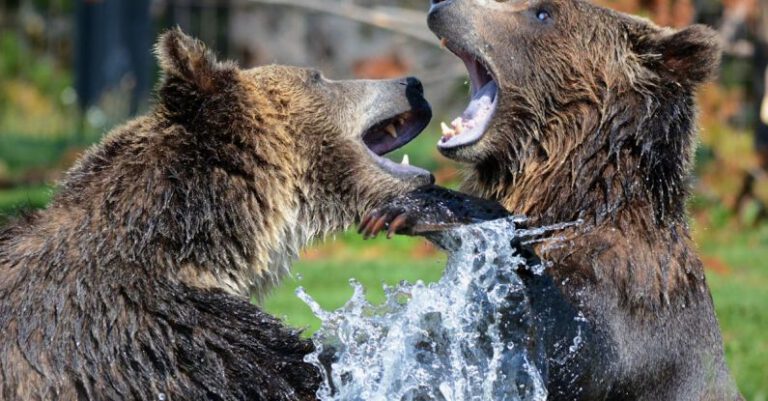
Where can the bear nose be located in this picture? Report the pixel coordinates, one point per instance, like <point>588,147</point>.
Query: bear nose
<point>413,84</point>
<point>435,2</point>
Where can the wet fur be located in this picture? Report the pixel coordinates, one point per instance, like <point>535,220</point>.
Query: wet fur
<point>596,123</point>
<point>134,284</point>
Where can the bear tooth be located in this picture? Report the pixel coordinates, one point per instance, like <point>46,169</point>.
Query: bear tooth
<point>391,130</point>
<point>446,129</point>
<point>406,161</point>
<point>443,42</point>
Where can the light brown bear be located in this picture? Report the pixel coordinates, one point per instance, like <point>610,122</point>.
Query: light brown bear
<point>134,283</point>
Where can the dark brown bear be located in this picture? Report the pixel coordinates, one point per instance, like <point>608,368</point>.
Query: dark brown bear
<point>134,283</point>
<point>583,113</point>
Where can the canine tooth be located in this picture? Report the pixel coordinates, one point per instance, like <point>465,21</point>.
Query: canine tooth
<point>391,130</point>
<point>446,129</point>
<point>406,161</point>
<point>443,42</point>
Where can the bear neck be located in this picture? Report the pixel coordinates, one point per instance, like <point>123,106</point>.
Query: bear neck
<point>626,157</point>
<point>154,197</point>
<point>624,175</point>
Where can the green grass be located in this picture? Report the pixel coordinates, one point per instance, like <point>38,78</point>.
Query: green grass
<point>23,151</point>
<point>740,293</point>
<point>23,198</point>
<point>326,272</point>
<point>328,283</point>
<point>741,303</point>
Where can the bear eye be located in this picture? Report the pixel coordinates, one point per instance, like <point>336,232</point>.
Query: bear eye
<point>316,76</point>
<point>543,15</point>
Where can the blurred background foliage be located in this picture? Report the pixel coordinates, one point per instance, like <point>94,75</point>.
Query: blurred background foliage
<point>72,69</point>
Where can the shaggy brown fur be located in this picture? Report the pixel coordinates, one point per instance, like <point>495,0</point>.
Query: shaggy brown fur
<point>596,122</point>
<point>133,284</point>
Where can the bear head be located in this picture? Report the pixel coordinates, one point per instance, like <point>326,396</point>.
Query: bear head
<point>332,134</point>
<point>556,82</point>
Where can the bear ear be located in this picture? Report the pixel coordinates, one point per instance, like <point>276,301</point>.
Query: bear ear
<point>692,55</point>
<point>183,57</point>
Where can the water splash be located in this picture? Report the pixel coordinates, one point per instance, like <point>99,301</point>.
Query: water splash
<point>470,336</point>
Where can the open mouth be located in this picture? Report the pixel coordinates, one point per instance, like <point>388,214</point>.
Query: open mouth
<point>394,133</point>
<point>484,91</point>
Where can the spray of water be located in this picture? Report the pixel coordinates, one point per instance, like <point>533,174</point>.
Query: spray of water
<point>470,336</point>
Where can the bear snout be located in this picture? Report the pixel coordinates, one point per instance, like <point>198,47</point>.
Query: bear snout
<point>413,84</point>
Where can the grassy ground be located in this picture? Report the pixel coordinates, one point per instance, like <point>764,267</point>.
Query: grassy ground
<point>23,198</point>
<point>737,270</point>
<point>325,271</point>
